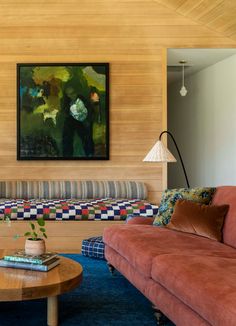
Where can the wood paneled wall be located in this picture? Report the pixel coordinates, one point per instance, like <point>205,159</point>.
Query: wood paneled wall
<point>129,34</point>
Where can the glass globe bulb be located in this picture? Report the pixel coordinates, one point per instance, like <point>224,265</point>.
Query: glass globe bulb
<point>183,91</point>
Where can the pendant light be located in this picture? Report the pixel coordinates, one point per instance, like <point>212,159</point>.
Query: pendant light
<point>183,91</point>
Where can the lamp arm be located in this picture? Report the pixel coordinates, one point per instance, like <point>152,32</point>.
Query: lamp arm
<point>181,160</point>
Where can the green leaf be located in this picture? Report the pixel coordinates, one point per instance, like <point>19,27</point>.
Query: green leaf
<point>27,234</point>
<point>32,226</point>
<point>45,235</point>
<point>8,221</point>
<point>35,235</point>
<point>41,221</point>
<point>16,236</point>
<point>42,230</point>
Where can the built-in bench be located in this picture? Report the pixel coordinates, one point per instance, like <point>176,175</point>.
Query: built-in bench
<point>99,202</point>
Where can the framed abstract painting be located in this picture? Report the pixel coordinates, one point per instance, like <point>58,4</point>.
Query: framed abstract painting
<point>63,111</point>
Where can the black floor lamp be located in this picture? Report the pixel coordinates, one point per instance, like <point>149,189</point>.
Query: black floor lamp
<point>160,153</point>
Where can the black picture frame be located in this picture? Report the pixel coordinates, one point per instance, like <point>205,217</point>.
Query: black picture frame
<point>28,151</point>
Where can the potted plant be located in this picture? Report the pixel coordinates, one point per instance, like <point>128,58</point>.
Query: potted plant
<point>35,244</point>
<point>5,219</point>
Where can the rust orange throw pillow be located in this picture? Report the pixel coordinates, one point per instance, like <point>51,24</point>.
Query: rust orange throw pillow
<point>199,219</point>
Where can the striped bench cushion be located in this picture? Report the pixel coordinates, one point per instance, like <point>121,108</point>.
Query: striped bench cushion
<point>93,247</point>
<point>59,209</point>
<point>72,189</point>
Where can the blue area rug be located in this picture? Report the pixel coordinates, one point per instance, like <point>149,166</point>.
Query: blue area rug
<point>102,299</point>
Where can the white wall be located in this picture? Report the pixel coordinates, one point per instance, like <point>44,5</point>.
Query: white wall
<point>204,125</point>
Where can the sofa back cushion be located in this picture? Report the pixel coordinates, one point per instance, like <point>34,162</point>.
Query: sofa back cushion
<point>140,220</point>
<point>227,195</point>
<point>72,189</point>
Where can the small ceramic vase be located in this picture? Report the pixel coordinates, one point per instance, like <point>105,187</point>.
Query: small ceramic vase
<point>35,247</point>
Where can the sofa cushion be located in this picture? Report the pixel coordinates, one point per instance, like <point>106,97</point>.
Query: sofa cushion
<point>161,298</point>
<point>61,209</point>
<point>140,220</point>
<point>140,244</point>
<point>203,220</point>
<point>56,189</point>
<point>170,196</point>
<point>227,195</point>
<point>206,283</point>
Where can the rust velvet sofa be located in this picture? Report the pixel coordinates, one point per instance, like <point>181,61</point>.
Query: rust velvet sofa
<point>191,279</point>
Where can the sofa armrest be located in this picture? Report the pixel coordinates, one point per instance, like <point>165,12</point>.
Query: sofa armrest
<point>141,220</point>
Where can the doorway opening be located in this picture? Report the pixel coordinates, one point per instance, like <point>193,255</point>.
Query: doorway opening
<point>203,117</point>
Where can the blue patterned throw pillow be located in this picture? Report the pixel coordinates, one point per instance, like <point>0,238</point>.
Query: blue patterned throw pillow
<point>170,197</point>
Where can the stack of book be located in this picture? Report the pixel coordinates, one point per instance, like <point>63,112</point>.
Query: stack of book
<point>19,259</point>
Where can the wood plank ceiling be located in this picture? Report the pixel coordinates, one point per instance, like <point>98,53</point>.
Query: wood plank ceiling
<point>218,15</point>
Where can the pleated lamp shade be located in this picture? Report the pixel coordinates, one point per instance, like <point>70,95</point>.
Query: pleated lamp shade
<point>159,153</point>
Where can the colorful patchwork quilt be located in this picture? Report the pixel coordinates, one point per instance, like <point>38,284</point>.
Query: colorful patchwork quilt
<point>93,209</point>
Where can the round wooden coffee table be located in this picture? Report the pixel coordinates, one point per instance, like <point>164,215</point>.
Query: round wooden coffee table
<point>20,284</point>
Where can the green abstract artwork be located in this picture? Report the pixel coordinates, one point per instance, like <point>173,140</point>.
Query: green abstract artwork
<point>63,111</point>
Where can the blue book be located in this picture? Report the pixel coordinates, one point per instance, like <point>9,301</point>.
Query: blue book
<point>33,267</point>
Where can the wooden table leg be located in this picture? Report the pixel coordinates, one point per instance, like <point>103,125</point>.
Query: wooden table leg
<point>53,311</point>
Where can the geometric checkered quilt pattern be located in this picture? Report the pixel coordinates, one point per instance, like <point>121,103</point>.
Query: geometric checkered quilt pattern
<point>73,209</point>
